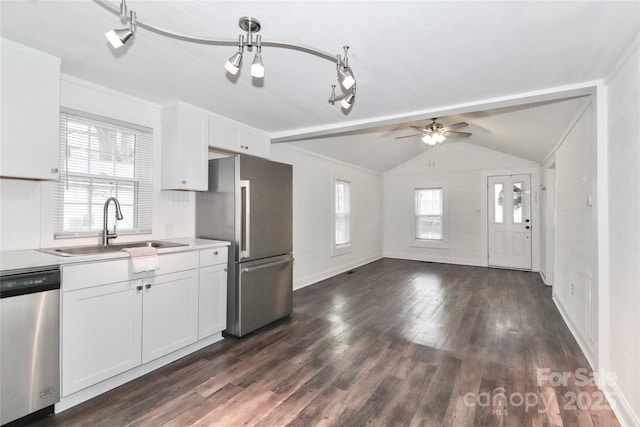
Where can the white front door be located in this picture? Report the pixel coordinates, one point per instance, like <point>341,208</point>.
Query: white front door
<point>509,222</point>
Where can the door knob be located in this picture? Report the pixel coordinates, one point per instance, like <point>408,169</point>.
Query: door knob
<point>139,287</point>
<point>148,286</point>
<point>527,227</point>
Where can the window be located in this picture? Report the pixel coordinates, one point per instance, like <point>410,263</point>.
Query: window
<point>102,158</point>
<point>342,213</point>
<point>429,218</point>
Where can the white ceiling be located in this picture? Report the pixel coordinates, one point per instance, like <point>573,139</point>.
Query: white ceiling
<point>408,57</point>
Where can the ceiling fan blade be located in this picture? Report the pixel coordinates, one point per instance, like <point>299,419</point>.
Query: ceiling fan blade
<point>423,130</point>
<point>457,134</point>
<point>455,126</point>
<point>408,136</point>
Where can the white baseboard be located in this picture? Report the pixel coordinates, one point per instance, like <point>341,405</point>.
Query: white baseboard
<point>104,386</point>
<point>441,260</point>
<point>620,405</point>
<point>582,343</point>
<point>320,276</point>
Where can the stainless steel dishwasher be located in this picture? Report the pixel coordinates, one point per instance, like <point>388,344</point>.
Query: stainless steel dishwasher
<point>29,343</point>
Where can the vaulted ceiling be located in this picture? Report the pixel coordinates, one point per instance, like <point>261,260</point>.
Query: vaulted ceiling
<point>409,58</point>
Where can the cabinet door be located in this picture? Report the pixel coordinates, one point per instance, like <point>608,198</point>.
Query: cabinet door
<point>255,142</point>
<point>101,334</point>
<point>30,113</point>
<point>185,135</point>
<point>233,136</point>
<point>170,314</point>
<point>212,304</point>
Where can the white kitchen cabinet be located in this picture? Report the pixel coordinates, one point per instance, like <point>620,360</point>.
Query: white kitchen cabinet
<point>212,304</point>
<point>229,135</point>
<point>30,113</point>
<point>114,320</point>
<point>101,333</point>
<point>170,313</point>
<point>185,135</point>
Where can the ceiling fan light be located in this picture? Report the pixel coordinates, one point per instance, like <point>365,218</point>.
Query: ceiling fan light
<point>233,64</point>
<point>439,138</point>
<point>257,67</point>
<point>428,139</point>
<point>117,38</point>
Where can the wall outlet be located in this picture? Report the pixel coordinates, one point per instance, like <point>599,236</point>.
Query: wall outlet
<point>572,288</point>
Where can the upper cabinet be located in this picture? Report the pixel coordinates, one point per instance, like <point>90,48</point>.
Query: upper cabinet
<point>185,133</point>
<point>233,136</point>
<point>30,113</point>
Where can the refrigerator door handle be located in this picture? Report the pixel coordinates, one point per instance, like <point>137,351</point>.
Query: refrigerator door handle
<point>245,235</point>
<point>270,264</point>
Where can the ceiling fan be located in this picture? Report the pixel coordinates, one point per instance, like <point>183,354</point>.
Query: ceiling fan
<point>434,133</point>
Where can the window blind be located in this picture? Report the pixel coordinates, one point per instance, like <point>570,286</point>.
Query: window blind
<point>102,158</point>
<point>342,213</point>
<point>429,213</point>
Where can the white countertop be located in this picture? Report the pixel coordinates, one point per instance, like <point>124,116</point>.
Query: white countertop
<point>15,260</point>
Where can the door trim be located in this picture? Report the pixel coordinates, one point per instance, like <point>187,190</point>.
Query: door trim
<point>535,212</point>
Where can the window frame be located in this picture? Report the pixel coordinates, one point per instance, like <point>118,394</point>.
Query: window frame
<point>443,242</point>
<point>419,216</point>
<point>344,247</point>
<point>141,184</point>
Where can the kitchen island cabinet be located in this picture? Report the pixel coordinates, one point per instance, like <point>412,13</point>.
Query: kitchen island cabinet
<point>30,113</point>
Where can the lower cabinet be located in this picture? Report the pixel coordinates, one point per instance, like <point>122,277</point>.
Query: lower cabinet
<point>110,329</point>
<point>169,313</point>
<point>212,309</point>
<point>114,321</point>
<point>101,334</point>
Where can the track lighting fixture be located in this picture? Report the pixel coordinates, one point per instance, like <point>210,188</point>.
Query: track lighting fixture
<point>250,25</point>
<point>118,38</point>
<point>346,101</point>
<point>346,76</point>
<point>233,63</point>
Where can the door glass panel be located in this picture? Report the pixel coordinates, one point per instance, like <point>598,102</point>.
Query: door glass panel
<point>517,203</point>
<point>498,204</point>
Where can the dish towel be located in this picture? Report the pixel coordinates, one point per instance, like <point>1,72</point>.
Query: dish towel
<point>143,259</point>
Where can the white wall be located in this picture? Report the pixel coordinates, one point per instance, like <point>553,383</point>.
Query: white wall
<point>575,272</point>
<point>26,208</point>
<point>624,234</point>
<point>460,167</point>
<point>313,181</point>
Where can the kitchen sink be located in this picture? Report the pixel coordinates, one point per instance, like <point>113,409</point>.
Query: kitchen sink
<point>100,249</point>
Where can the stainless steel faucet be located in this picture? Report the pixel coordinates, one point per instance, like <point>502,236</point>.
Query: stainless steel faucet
<point>106,236</point>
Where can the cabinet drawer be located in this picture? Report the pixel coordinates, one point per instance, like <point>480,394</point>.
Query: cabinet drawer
<point>213,256</point>
<point>87,275</point>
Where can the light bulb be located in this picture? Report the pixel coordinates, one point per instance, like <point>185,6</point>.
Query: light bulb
<point>257,67</point>
<point>118,38</point>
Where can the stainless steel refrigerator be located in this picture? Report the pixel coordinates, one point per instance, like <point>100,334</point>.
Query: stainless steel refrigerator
<point>249,203</point>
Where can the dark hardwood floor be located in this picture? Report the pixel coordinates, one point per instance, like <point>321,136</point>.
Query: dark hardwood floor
<point>393,343</point>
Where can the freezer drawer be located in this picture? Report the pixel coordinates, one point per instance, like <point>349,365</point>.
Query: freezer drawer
<point>265,293</point>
